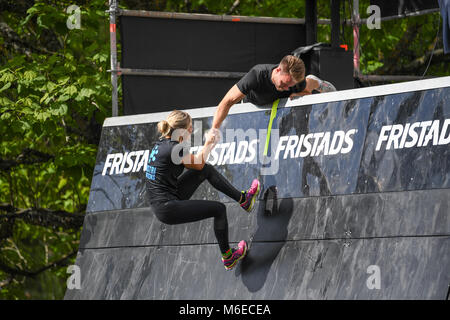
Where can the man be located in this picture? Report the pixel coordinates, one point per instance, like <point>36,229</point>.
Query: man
<point>265,83</point>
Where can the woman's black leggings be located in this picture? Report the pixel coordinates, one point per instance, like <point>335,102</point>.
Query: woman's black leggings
<point>185,210</point>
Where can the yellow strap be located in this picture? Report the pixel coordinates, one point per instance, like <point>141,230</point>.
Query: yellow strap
<point>273,114</point>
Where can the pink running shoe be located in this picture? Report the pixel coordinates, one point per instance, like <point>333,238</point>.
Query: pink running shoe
<point>251,196</point>
<point>236,255</point>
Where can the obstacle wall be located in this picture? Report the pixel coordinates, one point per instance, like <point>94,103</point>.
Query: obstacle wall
<point>362,180</point>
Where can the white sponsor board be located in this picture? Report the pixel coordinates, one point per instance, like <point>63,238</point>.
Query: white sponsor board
<point>239,152</point>
<point>329,143</point>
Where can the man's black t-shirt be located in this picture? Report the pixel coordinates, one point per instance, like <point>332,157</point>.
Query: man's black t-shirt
<point>259,89</point>
<point>161,172</point>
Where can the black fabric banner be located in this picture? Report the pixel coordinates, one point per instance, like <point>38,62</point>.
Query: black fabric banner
<point>144,94</point>
<point>194,45</point>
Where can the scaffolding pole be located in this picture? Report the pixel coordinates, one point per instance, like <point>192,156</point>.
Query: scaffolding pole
<point>311,22</point>
<point>230,18</point>
<point>181,73</point>
<point>356,23</point>
<point>113,6</point>
<point>386,78</point>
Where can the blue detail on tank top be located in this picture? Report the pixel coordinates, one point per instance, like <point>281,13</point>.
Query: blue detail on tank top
<point>150,171</point>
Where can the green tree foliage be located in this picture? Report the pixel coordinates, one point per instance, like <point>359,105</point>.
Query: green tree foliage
<point>55,93</point>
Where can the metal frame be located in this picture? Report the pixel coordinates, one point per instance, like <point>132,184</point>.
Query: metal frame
<point>229,18</point>
<point>335,23</point>
<point>207,17</point>
<point>113,8</point>
<point>356,22</point>
<point>182,73</point>
<point>114,11</point>
<point>311,22</point>
<point>382,78</point>
<point>401,16</point>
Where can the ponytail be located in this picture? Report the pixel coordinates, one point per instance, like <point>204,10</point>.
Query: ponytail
<point>175,120</point>
<point>164,128</point>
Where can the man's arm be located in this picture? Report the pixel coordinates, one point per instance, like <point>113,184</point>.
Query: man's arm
<point>198,161</point>
<point>314,83</point>
<point>233,96</point>
<point>311,84</point>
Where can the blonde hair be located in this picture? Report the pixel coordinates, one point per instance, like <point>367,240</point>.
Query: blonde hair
<point>175,120</point>
<point>294,66</point>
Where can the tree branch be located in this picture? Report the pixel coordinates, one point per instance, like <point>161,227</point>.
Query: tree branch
<point>234,6</point>
<point>41,217</point>
<point>416,66</point>
<point>28,273</point>
<point>12,40</point>
<point>17,6</point>
<point>28,156</point>
<point>402,49</point>
<point>438,57</point>
<point>24,46</point>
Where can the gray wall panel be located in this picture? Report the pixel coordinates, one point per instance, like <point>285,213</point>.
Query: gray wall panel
<point>410,268</point>
<point>392,214</point>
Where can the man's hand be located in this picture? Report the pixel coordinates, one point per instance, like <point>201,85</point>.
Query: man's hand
<point>299,94</point>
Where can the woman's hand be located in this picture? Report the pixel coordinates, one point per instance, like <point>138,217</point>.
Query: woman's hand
<point>198,160</point>
<point>212,137</point>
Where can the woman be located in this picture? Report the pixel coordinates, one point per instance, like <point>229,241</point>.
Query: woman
<point>170,190</point>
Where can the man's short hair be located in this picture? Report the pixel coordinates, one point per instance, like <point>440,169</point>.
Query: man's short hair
<point>294,66</point>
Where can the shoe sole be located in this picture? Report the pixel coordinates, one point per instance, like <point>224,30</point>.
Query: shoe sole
<point>238,259</point>
<point>250,208</point>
